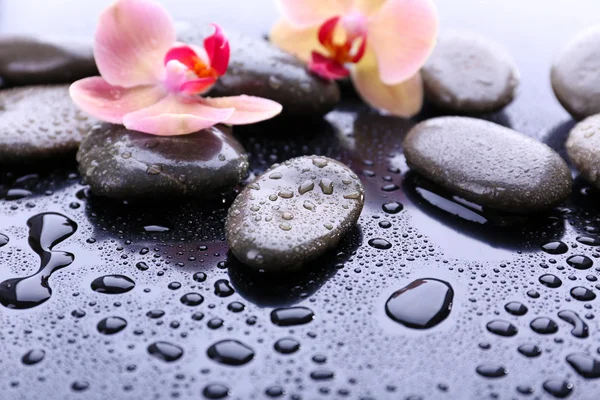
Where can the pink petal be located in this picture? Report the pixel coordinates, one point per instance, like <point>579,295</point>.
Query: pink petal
<point>110,103</point>
<point>300,42</point>
<point>248,109</point>
<point>217,48</point>
<point>327,68</point>
<point>131,41</point>
<point>176,115</point>
<point>402,33</point>
<point>184,54</point>
<point>197,86</point>
<point>403,99</point>
<point>305,13</point>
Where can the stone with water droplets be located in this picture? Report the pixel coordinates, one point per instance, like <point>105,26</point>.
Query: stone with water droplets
<point>257,68</point>
<point>280,233</point>
<point>488,164</point>
<point>29,60</point>
<point>574,76</point>
<point>120,163</point>
<point>469,73</point>
<point>38,123</point>
<point>583,148</point>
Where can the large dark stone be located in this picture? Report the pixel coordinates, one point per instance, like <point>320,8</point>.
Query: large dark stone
<point>120,163</point>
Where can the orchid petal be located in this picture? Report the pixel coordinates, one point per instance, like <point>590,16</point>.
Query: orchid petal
<point>110,103</point>
<point>402,33</point>
<point>176,115</point>
<point>300,42</point>
<point>197,86</point>
<point>404,99</point>
<point>368,7</point>
<point>248,109</point>
<point>184,54</point>
<point>305,13</point>
<point>130,42</point>
<point>217,48</point>
<point>327,68</point>
<point>327,30</point>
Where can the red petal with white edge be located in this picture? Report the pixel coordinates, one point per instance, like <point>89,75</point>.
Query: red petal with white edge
<point>110,103</point>
<point>184,54</point>
<point>305,13</point>
<point>403,99</point>
<point>131,41</point>
<point>176,115</point>
<point>248,109</point>
<point>217,48</point>
<point>403,33</point>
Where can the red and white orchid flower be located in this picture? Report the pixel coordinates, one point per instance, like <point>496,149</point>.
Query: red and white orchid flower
<point>381,44</point>
<point>152,84</point>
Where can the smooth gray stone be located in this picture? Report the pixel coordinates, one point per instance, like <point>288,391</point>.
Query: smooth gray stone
<point>120,163</point>
<point>468,73</point>
<point>293,213</point>
<point>258,68</point>
<point>39,122</point>
<point>26,60</point>
<point>488,164</point>
<point>583,148</point>
<point>575,75</point>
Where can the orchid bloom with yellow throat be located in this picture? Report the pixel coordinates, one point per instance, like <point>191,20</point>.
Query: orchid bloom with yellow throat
<point>380,44</point>
<point>151,83</point>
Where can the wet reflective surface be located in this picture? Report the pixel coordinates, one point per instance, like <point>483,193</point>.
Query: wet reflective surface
<point>322,332</point>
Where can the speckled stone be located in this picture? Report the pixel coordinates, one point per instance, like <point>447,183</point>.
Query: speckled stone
<point>293,213</point>
<point>575,75</point>
<point>120,163</point>
<point>488,164</point>
<point>468,73</point>
<point>583,148</point>
<point>27,60</point>
<point>258,68</point>
<point>39,122</point>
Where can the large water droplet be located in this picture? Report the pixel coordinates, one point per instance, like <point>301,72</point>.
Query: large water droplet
<point>544,326</point>
<point>582,294</point>
<point>215,391</point>
<point>580,328</point>
<point>165,351</point>
<point>292,316</point>
<point>515,308</point>
<point>555,247</point>
<point>223,288</point>
<point>111,325</point>
<point>580,262</point>
<point>530,350</point>
<point>230,352</point>
<point>422,304</point>
<point>392,207</point>
<point>287,346</point>
<point>113,284</point>
<point>585,365</point>
<point>192,299</point>
<point>558,388</point>
<point>380,244</point>
<point>3,240</point>
<point>33,357</point>
<point>551,281</point>
<point>502,328</point>
<point>491,371</point>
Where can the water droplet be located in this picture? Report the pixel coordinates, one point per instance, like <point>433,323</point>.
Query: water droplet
<point>17,194</point>
<point>292,316</point>
<point>236,307</point>
<point>155,314</point>
<point>551,281</point>
<point>287,346</point>
<point>555,247</point>
<point>589,241</point>
<point>33,357</point>
<point>45,231</point>
<point>544,326</point>
<point>582,294</point>
<point>230,352</point>
<point>530,350</point>
<point>275,391</point>
<point>585,365</point>
<point>154,169</point>
<point>192,299</point>
<point>142,266</point>
<point>558,388</point>
<point>113,284</point>
<point>174,285</point>
<point>3,240</point>
<point>319,162</point>
<point>422,304</point>
<point>223,288</point>
<point>165,351</point>
<point>326,186</point>
<point>322,375</point>
<point>515,308</point>
<point>380,244</point>
<point>309,206</point>
<point>580,328</point>
<point>80,386</point>
<point>502,328</point>
<point>286,194</point>
<point>215,391</point>
<point>491,371</point>
<point>111,325</point>
<point>306,187</point>
<point>276,175</point>
<point>580,262</point>
<point>200,277</point>
<point>392,207</point>
<point>215,323</point>
<point>155,228</point>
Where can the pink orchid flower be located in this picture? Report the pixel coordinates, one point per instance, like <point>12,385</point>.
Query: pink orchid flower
<point>152,84</point>
<point>381,44</point>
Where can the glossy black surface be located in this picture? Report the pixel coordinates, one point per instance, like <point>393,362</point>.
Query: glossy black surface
<point>351,348</point>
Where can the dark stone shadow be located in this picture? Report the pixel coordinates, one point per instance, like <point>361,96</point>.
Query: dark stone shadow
<point>558,136</point>
<point>51,176</point>
<point>493,227</point>
<point>287,288</point>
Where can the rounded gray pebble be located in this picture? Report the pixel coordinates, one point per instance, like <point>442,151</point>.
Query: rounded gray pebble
<point>293,213</point>
<point>488,164</point>
<point>39,122</point>
<point>28,60</point>
<point>468,73</point>
<point>583,148</point>
<point>575,75</point>
<point>120,163</point>
<point>257,68</point>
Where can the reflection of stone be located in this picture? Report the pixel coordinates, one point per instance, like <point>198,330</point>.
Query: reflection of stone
<point>119,163</point>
